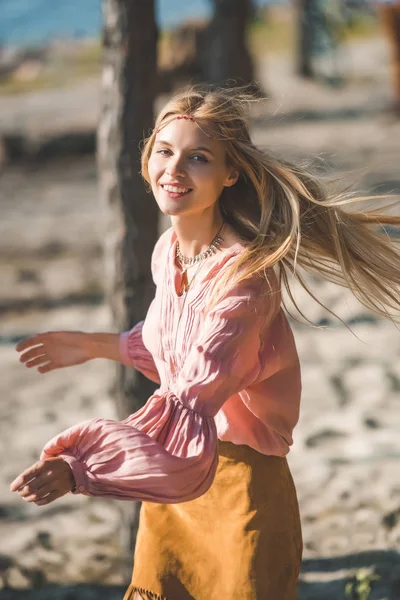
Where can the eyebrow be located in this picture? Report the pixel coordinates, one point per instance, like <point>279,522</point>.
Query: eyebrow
<point>202,148</point>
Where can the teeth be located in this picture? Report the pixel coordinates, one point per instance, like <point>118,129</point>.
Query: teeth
<point>175,190</point>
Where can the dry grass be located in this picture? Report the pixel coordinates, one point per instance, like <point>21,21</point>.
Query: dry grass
<point>61,70</point>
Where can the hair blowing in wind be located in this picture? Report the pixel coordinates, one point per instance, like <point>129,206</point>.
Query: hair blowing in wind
<point>289,220</point>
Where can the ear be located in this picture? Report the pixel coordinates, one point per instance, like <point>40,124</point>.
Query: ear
<point>231,178</point>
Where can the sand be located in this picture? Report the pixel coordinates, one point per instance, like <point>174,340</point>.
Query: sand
<point>345,460</point>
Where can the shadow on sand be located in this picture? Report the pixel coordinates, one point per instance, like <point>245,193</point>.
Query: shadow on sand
<point>321,579</point>
<point>326,578</point>
<point>66,592</point>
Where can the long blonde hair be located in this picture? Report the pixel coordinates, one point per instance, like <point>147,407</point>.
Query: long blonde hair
<point>286,216</point>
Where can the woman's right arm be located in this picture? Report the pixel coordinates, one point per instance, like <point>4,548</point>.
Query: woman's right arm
<point>59,349</point>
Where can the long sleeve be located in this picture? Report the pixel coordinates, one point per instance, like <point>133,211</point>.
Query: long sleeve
<point>135,354</point>
<point>167,451</point>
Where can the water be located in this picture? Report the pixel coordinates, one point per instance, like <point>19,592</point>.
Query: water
<point>35,21</point>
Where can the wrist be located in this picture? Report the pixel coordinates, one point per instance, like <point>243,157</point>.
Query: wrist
<point>89,346</point>
<point>78,476</point>
<point>102,345</point>
<point>71,478</point>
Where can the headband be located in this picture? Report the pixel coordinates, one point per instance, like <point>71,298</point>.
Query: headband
<point>187,117</point>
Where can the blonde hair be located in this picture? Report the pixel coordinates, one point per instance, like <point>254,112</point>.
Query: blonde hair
<point>287,218</point>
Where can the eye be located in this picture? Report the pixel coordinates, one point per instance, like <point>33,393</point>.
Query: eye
<point>164,152</point>
<point>200,158</point>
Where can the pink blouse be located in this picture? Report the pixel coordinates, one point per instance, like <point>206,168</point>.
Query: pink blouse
<point>231,373</point>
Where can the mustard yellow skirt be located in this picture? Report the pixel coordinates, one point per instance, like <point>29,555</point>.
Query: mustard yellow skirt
<point>241,540</point>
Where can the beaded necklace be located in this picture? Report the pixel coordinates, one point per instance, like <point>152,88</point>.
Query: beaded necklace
<point>212,248</point>
<point>198,258</point>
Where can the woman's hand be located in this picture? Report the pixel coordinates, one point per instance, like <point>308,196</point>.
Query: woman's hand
<point>44,481</point>
<point>55,350</point>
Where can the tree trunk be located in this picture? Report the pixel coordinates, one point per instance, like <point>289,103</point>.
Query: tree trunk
<point>128,89</point>
<point>227,58</point>
<point>305,38</point>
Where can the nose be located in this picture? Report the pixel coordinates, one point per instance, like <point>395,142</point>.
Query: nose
<point>175,167</point>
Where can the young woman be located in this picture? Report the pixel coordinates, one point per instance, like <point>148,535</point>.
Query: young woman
<point>206,454</point>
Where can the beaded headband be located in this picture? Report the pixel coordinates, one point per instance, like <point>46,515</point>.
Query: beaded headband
<point>187,117</point>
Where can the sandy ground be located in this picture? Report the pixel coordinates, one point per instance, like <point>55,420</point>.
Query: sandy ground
<point>345,459</point>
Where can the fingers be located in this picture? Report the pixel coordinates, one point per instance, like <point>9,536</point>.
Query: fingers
<point>50,497</point>
<point>45,364</point>
<point>48,367</point>
<point>34,340</point>
<point>36,356</point>
<point>33,353</point>
<point>45,481</point>
<point>43,495</point>
<point>28,475</point>
<point>33,492</point>
<point>41,360</point>
<point>40,484</point>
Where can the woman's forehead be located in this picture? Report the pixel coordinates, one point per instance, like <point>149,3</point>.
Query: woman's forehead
<point>188,133</point>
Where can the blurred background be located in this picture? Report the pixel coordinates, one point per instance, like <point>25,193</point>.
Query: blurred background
<point>329,75</point>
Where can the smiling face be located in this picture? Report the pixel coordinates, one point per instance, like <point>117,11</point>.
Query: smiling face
<point>187,169</point>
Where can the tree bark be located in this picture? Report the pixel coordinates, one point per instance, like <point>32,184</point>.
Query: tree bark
<point>304,39</point>
<point>227,57</point>
<point>128,91</point>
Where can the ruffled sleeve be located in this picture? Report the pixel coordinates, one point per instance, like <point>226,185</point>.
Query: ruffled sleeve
<point>135,354</point>
<point>167,451</point>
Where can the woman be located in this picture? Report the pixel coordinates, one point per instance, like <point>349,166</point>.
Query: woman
<point>206,454</point>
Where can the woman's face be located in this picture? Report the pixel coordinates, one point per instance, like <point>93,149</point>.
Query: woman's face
<point>187,169</point>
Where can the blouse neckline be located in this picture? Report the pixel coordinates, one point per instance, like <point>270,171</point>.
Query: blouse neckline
<point>207,269</point>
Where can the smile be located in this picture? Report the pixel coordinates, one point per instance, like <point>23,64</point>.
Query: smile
<point>176,191</point>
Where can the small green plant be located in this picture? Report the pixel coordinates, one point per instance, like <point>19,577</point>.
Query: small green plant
<point>360,587</point>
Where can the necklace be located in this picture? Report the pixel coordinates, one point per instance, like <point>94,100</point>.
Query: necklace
<point>212,248</point>
<point>198,259</point>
